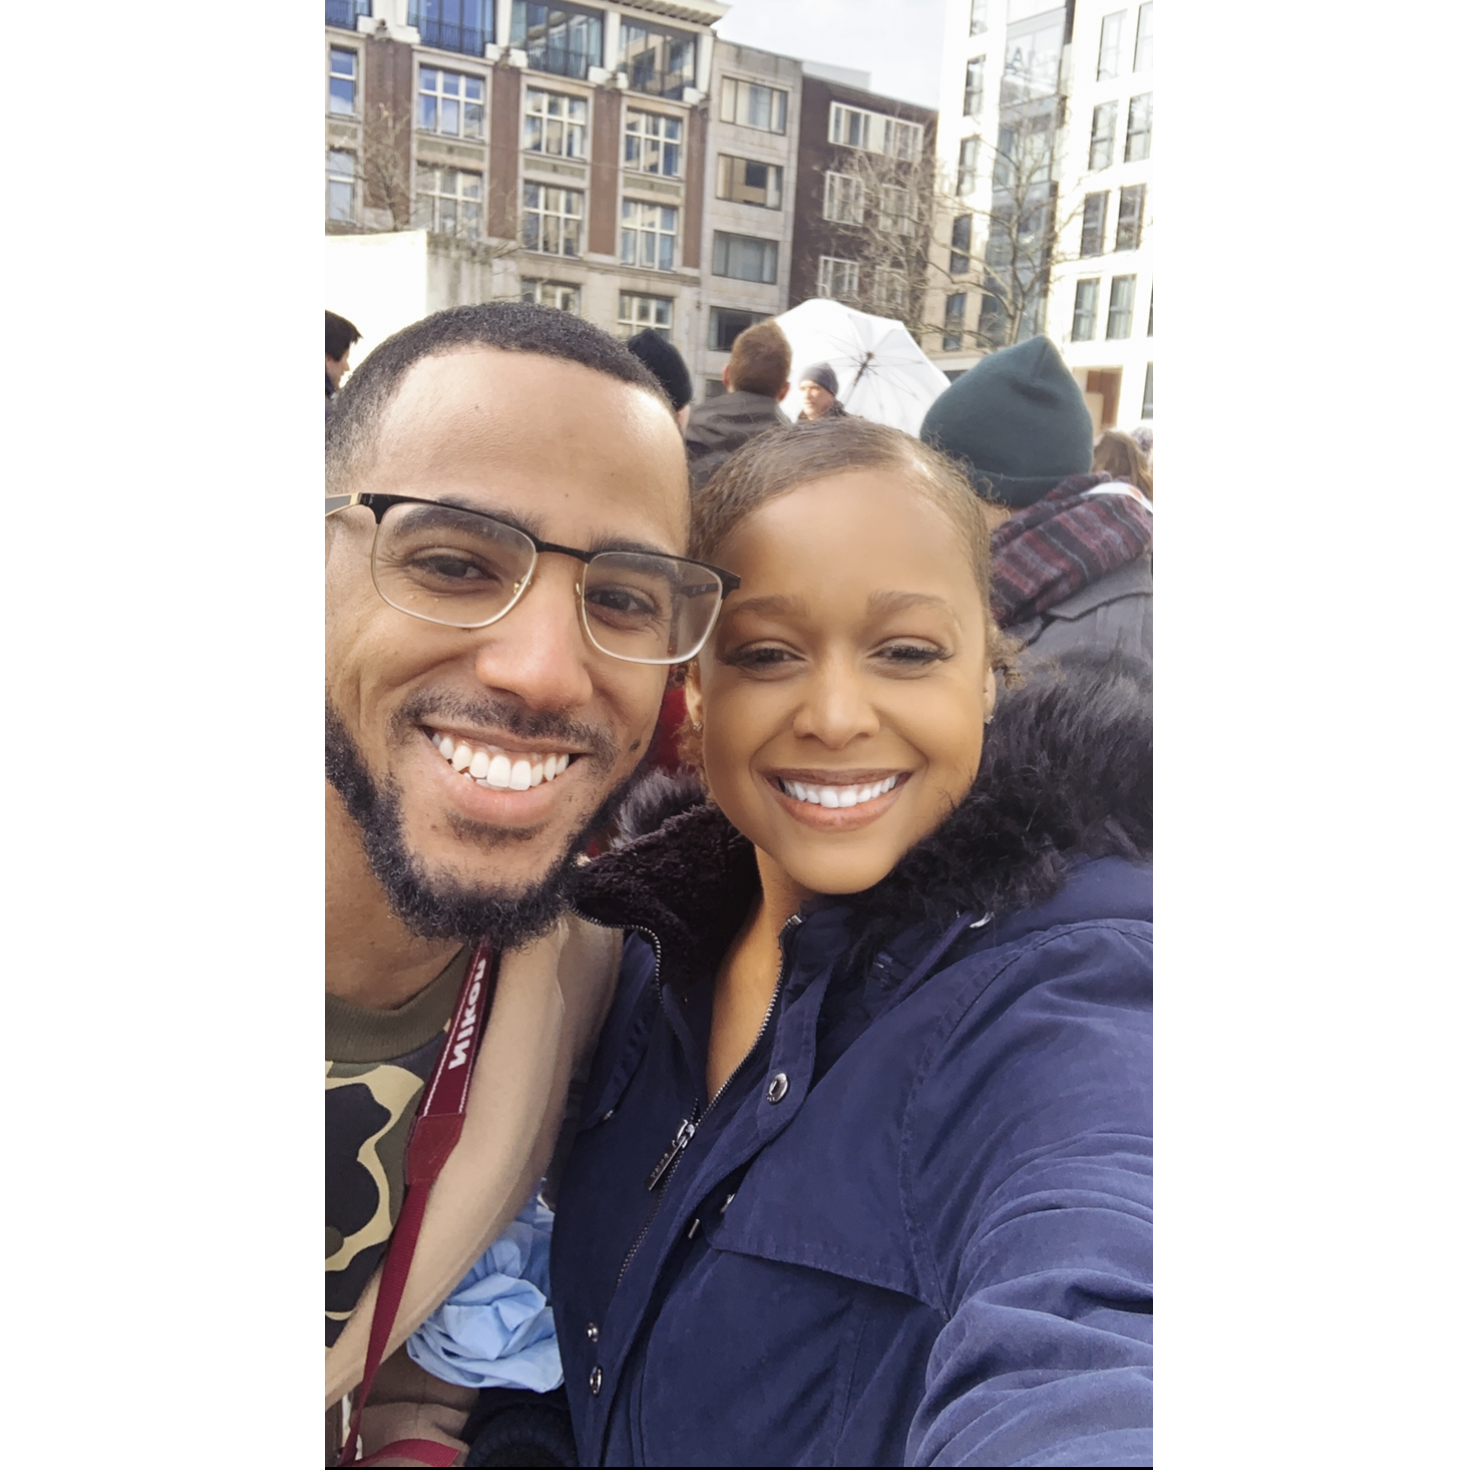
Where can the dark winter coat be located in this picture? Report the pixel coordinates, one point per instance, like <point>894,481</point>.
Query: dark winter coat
<point>914,1227</point>
<point>1114,614</point>
<point>720,425</point>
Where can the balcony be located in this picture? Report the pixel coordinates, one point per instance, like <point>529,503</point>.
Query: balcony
<point>450,35</point>
<point>344,13</point>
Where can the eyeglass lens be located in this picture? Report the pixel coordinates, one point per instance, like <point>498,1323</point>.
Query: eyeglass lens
<point>465,570</point>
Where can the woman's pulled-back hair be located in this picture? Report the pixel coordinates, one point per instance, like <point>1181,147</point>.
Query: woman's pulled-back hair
<point>1118,454</point>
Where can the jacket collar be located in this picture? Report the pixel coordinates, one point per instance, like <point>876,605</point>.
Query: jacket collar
<point>1067,774</point>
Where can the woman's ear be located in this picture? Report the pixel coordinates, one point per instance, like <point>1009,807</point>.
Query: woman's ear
<point>989,695</point>
<point>693,699</point>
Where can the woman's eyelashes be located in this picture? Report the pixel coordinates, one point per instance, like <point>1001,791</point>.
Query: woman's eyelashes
<point>757,656</point>
<point>913,655</point>
<point>907,656</point>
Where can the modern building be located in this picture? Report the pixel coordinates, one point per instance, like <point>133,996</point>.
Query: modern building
<point>1044,136</point>
<point>555,152</point>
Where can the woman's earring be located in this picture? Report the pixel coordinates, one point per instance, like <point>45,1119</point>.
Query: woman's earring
<point>695,725</point>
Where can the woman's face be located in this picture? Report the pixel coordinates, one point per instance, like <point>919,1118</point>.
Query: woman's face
<point>845,690</point>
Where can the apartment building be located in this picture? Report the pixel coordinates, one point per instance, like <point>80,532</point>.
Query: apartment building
<point>554,152</point>
<point>1102,312</point>
<point>1045,131</point>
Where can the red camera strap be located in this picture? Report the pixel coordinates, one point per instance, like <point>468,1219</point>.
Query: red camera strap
<point>436,1131</point>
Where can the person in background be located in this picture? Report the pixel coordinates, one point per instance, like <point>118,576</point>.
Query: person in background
<point>663,360</point>
<point>1071,573</point>
<point>1119,455</point>
<point>758,378</point>
<point>341,334</point>
<point>1143,436</point>
<point>818,389</point>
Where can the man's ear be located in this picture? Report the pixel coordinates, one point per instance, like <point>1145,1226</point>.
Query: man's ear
<point>785,389</point>
<point>725,376</point>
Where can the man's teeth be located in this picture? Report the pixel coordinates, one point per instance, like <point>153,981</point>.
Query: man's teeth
<point>498,771</point>
<point>837,795</point>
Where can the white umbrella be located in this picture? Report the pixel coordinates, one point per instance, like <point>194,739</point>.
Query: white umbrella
<point>881,372</point>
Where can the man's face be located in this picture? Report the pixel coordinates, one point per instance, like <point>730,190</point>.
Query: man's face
<point>337,369</point>
<point>815,399</point>
<point>574,457</point>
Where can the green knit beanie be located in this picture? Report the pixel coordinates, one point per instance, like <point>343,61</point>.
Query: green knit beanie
<point>1017,421</point>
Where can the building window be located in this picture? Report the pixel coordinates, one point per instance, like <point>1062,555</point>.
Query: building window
<point>975,87</point>
<point>344,13</point>
<point>726,325</point>
<point>752,106</point>
<point>1150,313</point>
<point>553,293</point>
<point>856,127</point>
<point>745,258</point>
<point>342,82</point>
<point>1120,307</point>
<point>977,17</point>
<point>659,63</point>
<point>960,234</point>
<point>648,234</point>
<point>652,143</point>
<point>451,103</point>
<point>1033,60</point>
<point>837,278</point>
<point>454,25</point>
<point>748,182</point>
<point>965,178</point>
<point>1140,128</point>
<point>954,322</point>
<point>1094,222</point>
<point>552,220</point>
<point>714,388</point>
<point>562,39</point>
<point>1147,411</point>
<point>1143,43</point>
<point>1104,126</point>
<point>341,185</point>
<point>636,312</point>
<point>1084,310</point>
<point>449,200</point>
<point>1110,47</point>
<point>896,210</point>
<point>892,291</point>
<point>1130,217</point>
<point>555,124</point>
<point>842,199</point>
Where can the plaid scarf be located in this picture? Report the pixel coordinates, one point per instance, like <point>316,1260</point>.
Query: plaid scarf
<point>1060,545</point>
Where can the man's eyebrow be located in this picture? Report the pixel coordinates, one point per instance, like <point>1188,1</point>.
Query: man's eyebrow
<point>532,526</point>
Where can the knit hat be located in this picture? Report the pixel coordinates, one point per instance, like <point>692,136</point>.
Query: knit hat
<point>822,375</point>
<point>662,359</point>
<point>1016,420</point>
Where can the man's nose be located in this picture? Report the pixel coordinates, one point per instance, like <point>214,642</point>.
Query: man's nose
<point>537,652</point>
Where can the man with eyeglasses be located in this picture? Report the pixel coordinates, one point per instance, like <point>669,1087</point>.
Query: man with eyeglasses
<point>506,594</point>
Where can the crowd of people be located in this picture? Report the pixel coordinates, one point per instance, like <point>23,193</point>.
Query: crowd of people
<point>739,910</point>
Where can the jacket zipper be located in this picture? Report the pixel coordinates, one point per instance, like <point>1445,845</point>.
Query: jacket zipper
<point>663,1171</point>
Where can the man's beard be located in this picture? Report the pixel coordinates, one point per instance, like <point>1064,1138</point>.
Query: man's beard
<point>438,906</point>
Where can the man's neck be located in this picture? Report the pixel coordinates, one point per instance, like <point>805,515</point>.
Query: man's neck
<point>372,960</point>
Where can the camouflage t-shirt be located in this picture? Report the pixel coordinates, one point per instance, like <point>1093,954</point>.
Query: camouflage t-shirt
<point>379,1063</point>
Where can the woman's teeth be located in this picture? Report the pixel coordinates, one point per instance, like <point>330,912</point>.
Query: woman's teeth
<point>496,770</point>
<point>836,795</point>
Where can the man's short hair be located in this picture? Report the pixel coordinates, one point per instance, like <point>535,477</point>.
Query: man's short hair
<point>509,326</point>
<point>760,360</point>
<point>341,334</point>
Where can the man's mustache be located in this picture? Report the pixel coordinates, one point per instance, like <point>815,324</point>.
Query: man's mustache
<point>544,727</point>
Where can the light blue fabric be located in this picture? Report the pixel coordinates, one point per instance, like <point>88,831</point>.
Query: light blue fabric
<point>495,1328</point>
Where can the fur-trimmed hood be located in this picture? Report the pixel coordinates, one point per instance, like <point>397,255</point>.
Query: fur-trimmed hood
<point>1066,774</point>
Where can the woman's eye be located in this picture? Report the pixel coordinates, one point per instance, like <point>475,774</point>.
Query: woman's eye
<point>760,657</point>
<point>912,655</point>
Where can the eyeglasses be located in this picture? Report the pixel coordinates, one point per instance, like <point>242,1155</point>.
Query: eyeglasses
<point>465,569</point>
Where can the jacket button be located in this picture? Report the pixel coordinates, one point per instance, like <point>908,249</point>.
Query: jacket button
<point>595,1382</point>
<point>778,1088</point>
<point>592,1332</point>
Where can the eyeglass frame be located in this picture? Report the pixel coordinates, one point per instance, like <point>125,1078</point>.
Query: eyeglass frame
<point>380,504</point>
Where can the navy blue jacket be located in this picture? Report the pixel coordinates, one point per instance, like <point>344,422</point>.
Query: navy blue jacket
<point>914,1227</point>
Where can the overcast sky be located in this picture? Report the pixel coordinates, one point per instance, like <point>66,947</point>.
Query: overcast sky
<point>898,41</point>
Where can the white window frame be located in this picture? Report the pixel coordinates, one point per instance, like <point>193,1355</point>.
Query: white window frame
<point>974,87</point>
<point>649,229</point>
<point>1110,46</point>
<point>970,169</point>
<point>459,99</point>
<point>895,137</point>
<point>736,95</point>
<point>333,75</point>
<point>1090,315</point>
<point>637,311</point>
<point>890,290</point>
<point>467,196</point>
<point>339,172</point>
<point>837,278</point>
<point>560,294</point>
<point>842,199</point>
<point>651,131</point>
<point>978,18</point>
<point>896,210</point>
<point>1114,309</point>
<point>1146,132</point>
<point>1143,37</point>
<point>555,110</point>
<point>563,210</point>
<point>770,255</point>
<point>726,165</point>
